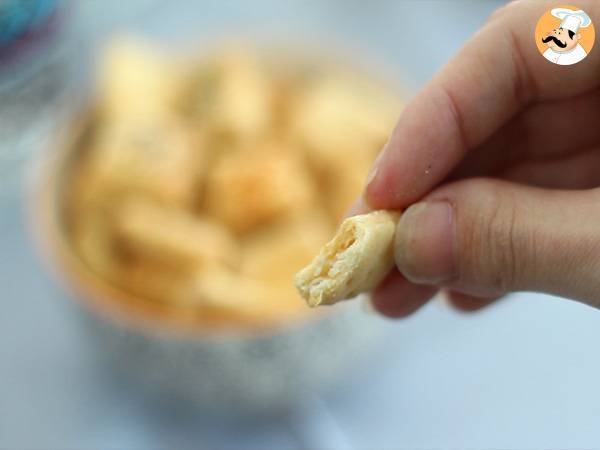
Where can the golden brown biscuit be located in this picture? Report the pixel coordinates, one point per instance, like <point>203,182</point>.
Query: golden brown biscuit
<point>135,80</point>
<point>342,117</point>
<point>344,183</point>
<point>245,190</point>
<point>275,253</point>
<point>151,155</point>
<point>233,93</point>
<point>149,280</point>
<point>241,297</point>
<point>173,237</point>
<point>356,260</point>
<point>258,152</point>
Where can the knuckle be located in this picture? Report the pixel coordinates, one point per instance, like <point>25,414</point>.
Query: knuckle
<point>512,7</point>
<point>491,245</point>
<point>500,12</point>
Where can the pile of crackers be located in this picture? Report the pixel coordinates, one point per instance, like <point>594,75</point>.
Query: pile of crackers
<point>205,184</point>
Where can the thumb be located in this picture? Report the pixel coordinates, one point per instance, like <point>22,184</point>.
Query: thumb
<point>487,237</point>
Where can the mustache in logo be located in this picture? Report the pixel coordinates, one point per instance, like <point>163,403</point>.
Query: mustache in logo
<point>556,41</point>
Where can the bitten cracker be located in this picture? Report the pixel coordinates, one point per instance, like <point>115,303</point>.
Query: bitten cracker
<point>356,260</point>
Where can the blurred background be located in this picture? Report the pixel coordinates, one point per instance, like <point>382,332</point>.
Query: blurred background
<point>521,374</point>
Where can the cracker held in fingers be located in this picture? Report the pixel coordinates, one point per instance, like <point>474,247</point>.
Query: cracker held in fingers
<point>358,257</point>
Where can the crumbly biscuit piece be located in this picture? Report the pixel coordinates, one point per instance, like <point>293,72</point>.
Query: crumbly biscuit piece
<point>233,93</point>
<point>341,117</point>
<point>245,190</point>
<point>244,97</point>
<point>153,155</point>
<point>218,289</point>
<point>172,236</point>
<point>341,123</point>
<point>275,253</point>
<point>358,257</point>
<point>135,80</point>
<point>149,280</point>
<point>345,181</point>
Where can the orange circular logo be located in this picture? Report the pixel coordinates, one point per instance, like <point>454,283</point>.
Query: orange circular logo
<point>565,35</point>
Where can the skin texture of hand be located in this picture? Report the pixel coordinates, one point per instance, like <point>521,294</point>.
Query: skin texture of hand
<point>497,161</point>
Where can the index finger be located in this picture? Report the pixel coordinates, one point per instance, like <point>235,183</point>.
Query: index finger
<point>496,74</point>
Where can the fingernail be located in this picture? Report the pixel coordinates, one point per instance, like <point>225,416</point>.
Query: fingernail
<point>372,172</point>
<point>425,243</point>
<point>443,300</point>
<point>367,306</point>
<point>361,205</point>
<point>374,169</point>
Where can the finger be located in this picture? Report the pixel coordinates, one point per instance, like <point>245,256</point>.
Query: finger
<point>488,237</point>
<point>544,130</point>
<point>579,171</point>
<point>496,74</point>
<point>467,303</point>
<point>397,297</point>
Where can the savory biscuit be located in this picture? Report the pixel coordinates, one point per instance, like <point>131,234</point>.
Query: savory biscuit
<point>240,297</point>
<point>233,94</point>
<point>149,280</point>
<point>150,155</point>
<point>358,257</point>
<point>338,117</point>
<point>276,252</point>
<point>134,80</point>
<point>173,237</point>
<point>245,190</point>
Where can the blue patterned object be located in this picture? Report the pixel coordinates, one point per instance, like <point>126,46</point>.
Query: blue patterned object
<point>19,16</point>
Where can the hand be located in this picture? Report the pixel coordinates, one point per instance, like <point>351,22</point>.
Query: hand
<point>501,152</point>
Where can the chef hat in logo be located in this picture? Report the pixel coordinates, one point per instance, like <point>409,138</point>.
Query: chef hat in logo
<point>572,20</point>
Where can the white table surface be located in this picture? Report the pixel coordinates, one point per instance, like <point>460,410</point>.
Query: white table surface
<point>522,374</point>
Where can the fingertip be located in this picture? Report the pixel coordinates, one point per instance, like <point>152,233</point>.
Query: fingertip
<point>467,303</point>
<point>425,243</point>
<point>396,297</point>
<point>380,188</point>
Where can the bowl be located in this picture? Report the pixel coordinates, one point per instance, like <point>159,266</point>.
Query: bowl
<point>242,369</point>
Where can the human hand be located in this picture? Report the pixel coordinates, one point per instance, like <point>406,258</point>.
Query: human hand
<point>501,152</point>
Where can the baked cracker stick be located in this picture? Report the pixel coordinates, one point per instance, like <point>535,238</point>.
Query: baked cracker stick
<point>172,236</point>
<point>358,257</point>
<point>219,289</point>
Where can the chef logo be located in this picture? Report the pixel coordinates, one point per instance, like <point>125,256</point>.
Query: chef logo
<point>565,35</point>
